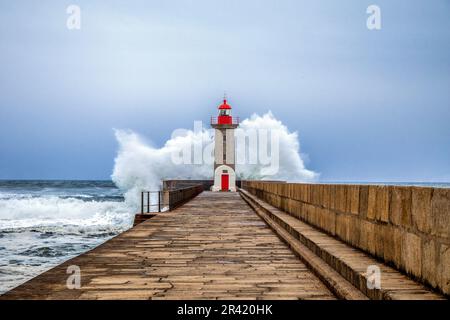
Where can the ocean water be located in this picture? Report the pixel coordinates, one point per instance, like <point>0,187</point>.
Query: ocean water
<point>43,223</point>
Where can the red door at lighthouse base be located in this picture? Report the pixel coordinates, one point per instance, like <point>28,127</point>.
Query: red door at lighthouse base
<point>225,182</point>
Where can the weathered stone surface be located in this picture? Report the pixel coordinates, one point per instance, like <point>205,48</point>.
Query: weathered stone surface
<point>320,217</point>
<point>372,203</point>
<point>389,243</point>
<point>333,197</point>
<point>380,234</point>
<point>326,196</point>
<point>309,211</point>
<point>444,268</point>
<point>378,203</point>
<point>412,254</point>
<point>342,226</point>
<point>139,218</point>
<point>302,210</point>
<point>315,194</point>
<point>441,213</point>
<point>330,224</point>
<point>430,258</point>
<point>353,199</point>
<point>296,191</point>
<point>398,235</point>
<point>354,230</point>
<point>421,208</point>
<point>382,203</point>
<point>363,201</point>
<point>307,193</point>
<point>400,206</point>
<point>313,216</point>
<point>284,203</point>
<point>367,236</point>
<point>284,190</point>
<point>341,197</point>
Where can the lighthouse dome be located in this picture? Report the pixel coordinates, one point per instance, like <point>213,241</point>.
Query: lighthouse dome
<point>224,105</point>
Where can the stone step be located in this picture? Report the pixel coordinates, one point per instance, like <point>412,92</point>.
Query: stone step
<point>335,262</point>
<point>333,280</point>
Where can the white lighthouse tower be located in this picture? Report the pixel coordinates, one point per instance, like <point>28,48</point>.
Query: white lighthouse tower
<point>224,149</point>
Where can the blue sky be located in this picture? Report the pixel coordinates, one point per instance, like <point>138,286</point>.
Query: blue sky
<point>368,105</point>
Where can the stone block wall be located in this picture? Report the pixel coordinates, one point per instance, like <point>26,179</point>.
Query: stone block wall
<point>177,184</point>
<point>406,227</point>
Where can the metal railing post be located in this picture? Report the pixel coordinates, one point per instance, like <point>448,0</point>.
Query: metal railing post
<point>175,198</point>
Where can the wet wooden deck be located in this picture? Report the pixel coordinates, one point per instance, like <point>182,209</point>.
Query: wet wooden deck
<point>214,247</point>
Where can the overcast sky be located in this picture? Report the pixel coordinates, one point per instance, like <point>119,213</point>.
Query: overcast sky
<point>368,105</point>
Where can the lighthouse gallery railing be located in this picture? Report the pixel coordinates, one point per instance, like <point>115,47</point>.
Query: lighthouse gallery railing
<point>234,120</point>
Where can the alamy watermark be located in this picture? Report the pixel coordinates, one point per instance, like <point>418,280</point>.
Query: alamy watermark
<point>374,20</point>
<point>74,19</point>
<point>74,280</point>
<point>252,147</point>
<point>373,277</point>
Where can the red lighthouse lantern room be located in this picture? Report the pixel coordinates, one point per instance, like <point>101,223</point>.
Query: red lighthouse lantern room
<point>224,113</point>
<point>225,117</point>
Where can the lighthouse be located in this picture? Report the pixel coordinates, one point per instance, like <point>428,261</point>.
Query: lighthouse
<point>224,149</point>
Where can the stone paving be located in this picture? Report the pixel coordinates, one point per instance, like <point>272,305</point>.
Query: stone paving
<point>213,247</point>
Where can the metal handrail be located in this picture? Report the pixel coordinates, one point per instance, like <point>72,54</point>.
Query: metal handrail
<point>176,197</point>
<point>148,202</point>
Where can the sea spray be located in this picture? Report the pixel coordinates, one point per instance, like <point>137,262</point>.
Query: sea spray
<point>291,165</point>
<point>141,166</point>
<point>63,215</point>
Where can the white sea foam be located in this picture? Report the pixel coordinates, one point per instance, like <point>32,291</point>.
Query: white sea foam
<point>141,166</point>
<point>63,215</point>
<point>291,164</point>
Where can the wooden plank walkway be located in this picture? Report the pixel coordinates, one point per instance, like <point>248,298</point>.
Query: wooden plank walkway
<point>214,247</point>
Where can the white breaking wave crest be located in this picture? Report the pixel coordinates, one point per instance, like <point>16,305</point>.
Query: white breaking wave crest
<point>64,215</point>
<point>291,165</point>
<point>141,166</point>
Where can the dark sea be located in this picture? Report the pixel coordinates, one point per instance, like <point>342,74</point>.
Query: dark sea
<point>43,223</point>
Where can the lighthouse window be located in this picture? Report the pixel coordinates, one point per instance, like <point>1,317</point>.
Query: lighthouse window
<point>224,146</point>
<point>225,112</point>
